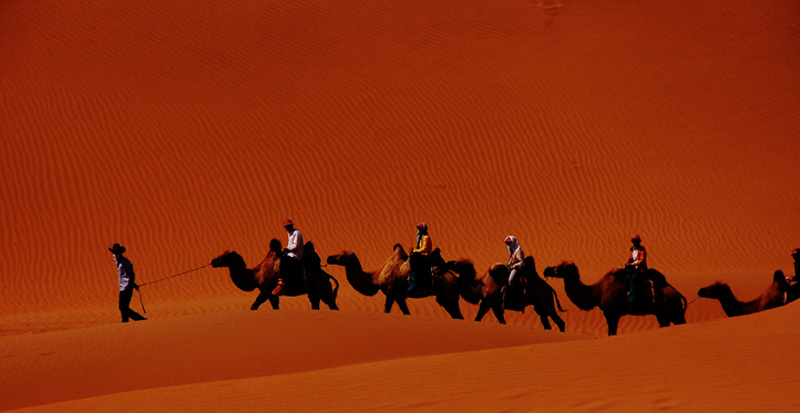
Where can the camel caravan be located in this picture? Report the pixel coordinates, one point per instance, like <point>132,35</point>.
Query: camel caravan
<point>421,272</point>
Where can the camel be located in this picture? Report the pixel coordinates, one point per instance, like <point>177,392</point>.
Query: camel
<point>610,294</point>
<point>392,279</point>
<point>264,276</point>
<point>487,291</point>
<point>775,295</point>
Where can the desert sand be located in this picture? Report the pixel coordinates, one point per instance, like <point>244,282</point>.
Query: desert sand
<point>182,130</point>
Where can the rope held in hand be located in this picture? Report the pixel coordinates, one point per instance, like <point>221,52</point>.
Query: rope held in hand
<point>173,276</point>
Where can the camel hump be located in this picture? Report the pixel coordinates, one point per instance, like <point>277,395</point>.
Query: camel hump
<point>658,278</point>
<point>499,272</point>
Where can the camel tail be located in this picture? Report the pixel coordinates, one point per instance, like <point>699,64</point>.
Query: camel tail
<point>336,288</point>
<point>683,299</point>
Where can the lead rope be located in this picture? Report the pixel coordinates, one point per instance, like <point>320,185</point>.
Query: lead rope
<point>141,298</point>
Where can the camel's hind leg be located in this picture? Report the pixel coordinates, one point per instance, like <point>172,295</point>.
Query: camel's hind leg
<point>497,309</point>
<point>545,322</point>
<point>454,311</point>
<point>330,302</point>
<point>483,308</point>
<point>559,322</point>
<point>261,299</point>
<point>313,296</point>
<point>401,302</point>
<point>275,301</point>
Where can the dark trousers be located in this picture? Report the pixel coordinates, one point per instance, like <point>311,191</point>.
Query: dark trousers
<point>125,306</point>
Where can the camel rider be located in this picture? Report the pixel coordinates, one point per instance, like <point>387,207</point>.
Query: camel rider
<point>796,256</point>
<point>636,264</point>
<point>516,260</point>
<point>290,265</point>
<point>420,259</point>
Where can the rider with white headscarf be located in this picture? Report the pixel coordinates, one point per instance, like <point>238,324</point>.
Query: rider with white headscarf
<point>516,258</point>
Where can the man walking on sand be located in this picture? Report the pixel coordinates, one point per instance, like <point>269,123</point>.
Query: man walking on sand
<point>126,284</point>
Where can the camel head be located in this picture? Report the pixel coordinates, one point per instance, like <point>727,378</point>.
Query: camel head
<point>343,259</point>
<point>227,259</point>
<point>716,290</point>
<point>564,270</point>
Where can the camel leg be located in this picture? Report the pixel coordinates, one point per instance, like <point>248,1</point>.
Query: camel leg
<point>387,308</point>
<point>613,321</point>
<point>331,303</point>
<point>454,311</point>
<point>314,301</point>
<point>545,322</point>
<point>559,322</point>
<point>275,301</point>
<point>401,302</point>
<point>497,309</point>
<point>262,297</point>
<point>313,294</point>
<point>663,320</point>
<point>483,308</point>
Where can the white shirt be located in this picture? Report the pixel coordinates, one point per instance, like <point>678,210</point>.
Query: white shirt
<point>295,246</point>
<point>125,270</point>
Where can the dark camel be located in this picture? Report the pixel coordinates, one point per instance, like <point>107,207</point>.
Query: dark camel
<point>392,279</point>
<point>264,276</point>
<point>774,296</point>
<point>610,294</point>
<point>487,291</point>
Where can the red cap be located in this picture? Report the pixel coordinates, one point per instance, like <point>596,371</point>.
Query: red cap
<point>422,225</point>
<point>508,239</point>
<point>636,237</point>
<point>287,223</point>
<point>796,251</point>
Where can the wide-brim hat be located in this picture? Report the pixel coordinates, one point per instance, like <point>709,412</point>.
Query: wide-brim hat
<point>117,249</point>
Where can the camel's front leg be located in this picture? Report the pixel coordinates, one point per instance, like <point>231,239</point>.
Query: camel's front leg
<point>612,320</point>
<point>387,308</point>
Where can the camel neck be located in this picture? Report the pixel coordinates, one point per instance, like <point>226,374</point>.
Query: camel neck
<point>579,293</point>
<point>731,306</point>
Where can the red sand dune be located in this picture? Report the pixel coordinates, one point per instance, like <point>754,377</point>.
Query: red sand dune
<point>182,130</point>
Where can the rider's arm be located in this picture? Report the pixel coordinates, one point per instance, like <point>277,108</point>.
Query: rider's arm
<point>426,247</point>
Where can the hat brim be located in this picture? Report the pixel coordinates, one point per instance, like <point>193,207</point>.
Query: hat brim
<point>117,251</point>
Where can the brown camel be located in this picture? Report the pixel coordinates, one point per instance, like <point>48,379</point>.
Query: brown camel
<point>611,294</point>
<point>392,279</point>
<point>264,276</point>
<point>487,291</point>
<point>774,296</point>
